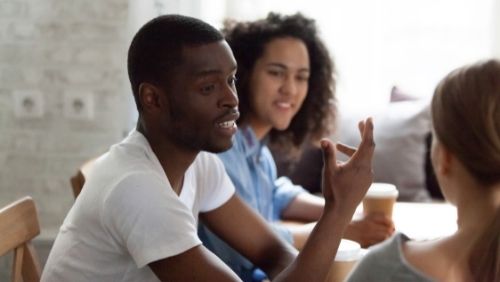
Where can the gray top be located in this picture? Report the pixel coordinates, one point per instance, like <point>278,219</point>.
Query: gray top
<point>385,262</point>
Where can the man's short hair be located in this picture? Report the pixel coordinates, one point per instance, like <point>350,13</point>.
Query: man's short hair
<point>157,48</point>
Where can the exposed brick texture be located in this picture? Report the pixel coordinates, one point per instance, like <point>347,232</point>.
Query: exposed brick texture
<point>56,46</point>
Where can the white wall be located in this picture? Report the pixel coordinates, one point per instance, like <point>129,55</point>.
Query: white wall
<point>495,33</point>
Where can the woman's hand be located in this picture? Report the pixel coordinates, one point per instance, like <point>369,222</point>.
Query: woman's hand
<point>371,229</point>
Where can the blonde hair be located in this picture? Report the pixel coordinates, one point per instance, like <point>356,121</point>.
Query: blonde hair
<point>466,116</point>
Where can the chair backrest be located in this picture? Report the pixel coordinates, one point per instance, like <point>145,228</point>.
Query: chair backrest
<point>77,182</point>
<point>78,179</point>
<point>18,226</point>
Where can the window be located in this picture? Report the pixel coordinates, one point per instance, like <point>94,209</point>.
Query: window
<point>377,44</point>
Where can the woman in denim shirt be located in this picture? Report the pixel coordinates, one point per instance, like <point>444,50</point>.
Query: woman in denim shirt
<point>286,91</point>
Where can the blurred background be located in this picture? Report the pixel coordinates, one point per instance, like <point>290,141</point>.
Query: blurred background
<point>64,91</point>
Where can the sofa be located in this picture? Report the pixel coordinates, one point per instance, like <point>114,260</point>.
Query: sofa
<point>402,133</point>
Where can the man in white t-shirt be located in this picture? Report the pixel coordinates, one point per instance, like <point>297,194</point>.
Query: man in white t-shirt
<point>136,217</point>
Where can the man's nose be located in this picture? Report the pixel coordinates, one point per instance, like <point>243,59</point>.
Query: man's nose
<point>229,98</point>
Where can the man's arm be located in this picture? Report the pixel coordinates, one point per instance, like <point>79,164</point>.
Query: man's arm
<point>241,228</point>
<point>307,208</point>
<point>248,233</point>
<point>344,187</point>
<point>300,231</point>
<point>195,264</point>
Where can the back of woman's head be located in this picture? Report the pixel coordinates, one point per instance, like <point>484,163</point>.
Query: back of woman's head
<point>248,41</point>
<point>466,117</point>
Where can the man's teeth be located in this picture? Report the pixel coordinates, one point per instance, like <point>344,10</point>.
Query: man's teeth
<point>227,124</point>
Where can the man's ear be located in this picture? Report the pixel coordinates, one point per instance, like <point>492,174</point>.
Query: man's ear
<point>150,97</point>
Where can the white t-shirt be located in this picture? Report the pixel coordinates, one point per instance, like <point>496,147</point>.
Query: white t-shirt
<point>128,215</point>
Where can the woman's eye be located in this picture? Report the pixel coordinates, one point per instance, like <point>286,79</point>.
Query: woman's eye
<point>276,73</point>
<point>303,78</point>
<point>208,88</point>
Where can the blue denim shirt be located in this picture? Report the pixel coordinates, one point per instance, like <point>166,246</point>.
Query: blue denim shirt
<point>252,169</point>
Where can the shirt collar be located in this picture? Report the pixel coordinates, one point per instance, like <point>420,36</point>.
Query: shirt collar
<point>251,146</point>
<point>136,138</point>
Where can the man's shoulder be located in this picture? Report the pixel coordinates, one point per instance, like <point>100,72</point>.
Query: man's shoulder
<point>207,161</point>
<point>121,165</point>
<point>120,162</point>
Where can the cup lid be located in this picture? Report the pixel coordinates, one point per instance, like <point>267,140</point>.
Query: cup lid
<point>348,251</point>
<point>379,190</point>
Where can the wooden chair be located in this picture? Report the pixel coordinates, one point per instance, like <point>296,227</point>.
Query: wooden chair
<point>78,179</point>
<point>18,226</point>
<point>77,182</point>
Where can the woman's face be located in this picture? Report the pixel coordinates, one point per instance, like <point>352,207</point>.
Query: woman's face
<point>278,85</point>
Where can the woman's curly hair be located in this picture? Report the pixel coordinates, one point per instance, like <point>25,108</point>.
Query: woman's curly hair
<point>248,40</point>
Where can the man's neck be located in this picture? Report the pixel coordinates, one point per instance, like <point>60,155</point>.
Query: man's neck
<point>174,159</point>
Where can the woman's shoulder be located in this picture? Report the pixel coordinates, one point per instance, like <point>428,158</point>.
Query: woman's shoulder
<point>386,262</point>
<point>388,251</point>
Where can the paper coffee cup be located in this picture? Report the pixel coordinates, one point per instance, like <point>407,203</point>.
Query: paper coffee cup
<point>380,198</point>
<point>348,254</point>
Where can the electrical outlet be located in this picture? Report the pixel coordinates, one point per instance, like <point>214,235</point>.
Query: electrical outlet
<point>79,105</point>
<point>28,104</point>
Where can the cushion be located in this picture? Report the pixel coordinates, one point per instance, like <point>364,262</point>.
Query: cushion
<point>398,95</point>
<point>304,170</point>
<point>400,131</point>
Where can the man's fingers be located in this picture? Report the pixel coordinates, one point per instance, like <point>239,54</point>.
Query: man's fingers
<point>328,154</point>
<point>361,127</point>
<point>345,149</point>
<point>329,167</point>
<point>367,145</point>
<point>368,129</point>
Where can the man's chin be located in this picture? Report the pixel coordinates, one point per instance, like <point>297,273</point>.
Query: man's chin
<point>218,148</point>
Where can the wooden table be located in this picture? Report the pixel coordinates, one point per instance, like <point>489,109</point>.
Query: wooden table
<point>419,221</point>
<point>422,221</point>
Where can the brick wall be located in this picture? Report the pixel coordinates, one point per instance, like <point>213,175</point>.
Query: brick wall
<point>61,49</point>
<point>57,48</point>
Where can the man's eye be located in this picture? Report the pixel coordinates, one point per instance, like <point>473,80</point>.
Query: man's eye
<point>232,80</point>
